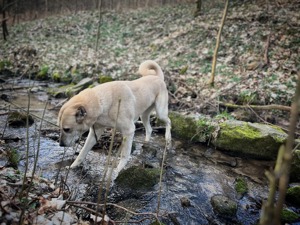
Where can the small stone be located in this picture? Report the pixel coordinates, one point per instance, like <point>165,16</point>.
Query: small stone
<point>185,202</point>
<point>18,119</point>
<point>224,206</point>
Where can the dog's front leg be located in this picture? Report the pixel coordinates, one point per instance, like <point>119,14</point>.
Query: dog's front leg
<point>89,143</point>
<point>125,151</point>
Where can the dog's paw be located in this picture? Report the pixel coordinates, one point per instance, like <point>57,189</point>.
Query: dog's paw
<point>73,166</point>
<point>67,167</point>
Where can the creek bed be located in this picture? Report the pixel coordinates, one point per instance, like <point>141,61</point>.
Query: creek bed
<point>193,173</point>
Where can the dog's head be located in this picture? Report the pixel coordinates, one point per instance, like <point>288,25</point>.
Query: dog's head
<point>72,123</point>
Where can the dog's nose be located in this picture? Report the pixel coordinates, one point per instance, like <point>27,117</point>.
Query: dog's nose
<point>61,143</point>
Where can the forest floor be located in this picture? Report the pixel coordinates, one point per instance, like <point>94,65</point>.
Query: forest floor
<point>258,59</point>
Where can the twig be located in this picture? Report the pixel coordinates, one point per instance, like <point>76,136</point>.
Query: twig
<point>214,62</point>
<point>112,204</point>
<point>5,126</point>
<point>266,122</point>
<point>266,57</point>
<point>280,177</point>
<point>27,158</point>
<point>261,107</point>
<point>99,24</point>
<point>19,87</point>
<point>106,168</point>
<point>187,87</point>
<point>34,115</point>
<point>38,149</point>
<point>160,179</point>
<point>288,154</point>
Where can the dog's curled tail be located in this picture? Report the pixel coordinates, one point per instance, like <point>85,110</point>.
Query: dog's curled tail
<point>150,67</point>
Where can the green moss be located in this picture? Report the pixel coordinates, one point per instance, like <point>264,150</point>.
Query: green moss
<point>56,76</point>
<point>61,92</point>
<point>103,79</point>
<point>288,216</point>
<point>4,64</point>
<point>204,129</point>
<point>249,139</point>
<point>295,167</point>
<point>66,77</point>
<point>240,131</point>
<point>69,91</point>
<point>183,69</point>
<point>137,178</point>
<point>293,195</point>
<point>183,127</point>
<point>241,186</point>
<point>191,129</point>
<point>43,73</point>
<point>157,223</point>
<point>13,157</point>
<point>224,206</point>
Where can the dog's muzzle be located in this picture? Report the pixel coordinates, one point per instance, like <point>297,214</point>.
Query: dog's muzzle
<point>64,142</point>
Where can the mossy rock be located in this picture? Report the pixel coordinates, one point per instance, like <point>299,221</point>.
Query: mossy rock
<point>241,186</point>
<point>83,84</point>
<point>295,167</point>
<point>191,129</point>
<point>157,223</point>
<point>71,90</point>
<point>60,92</point>
<point>104,79</point>
<point>138,179</point>
<point>19,119</point>
<point>224,206</point>
<point>258,141</point>
<point>288,216</point>
<point>293,195</point>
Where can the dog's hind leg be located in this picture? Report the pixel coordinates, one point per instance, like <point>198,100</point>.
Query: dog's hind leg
<point>146,122</point>
<point>89,143</point>
<point>161,108</point>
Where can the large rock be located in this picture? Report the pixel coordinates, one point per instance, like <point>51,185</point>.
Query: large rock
<point>256,140</point>
<point>137,178</point>
<point>250,139</point>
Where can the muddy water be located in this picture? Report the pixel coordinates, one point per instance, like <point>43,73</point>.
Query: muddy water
<point>193,172</point>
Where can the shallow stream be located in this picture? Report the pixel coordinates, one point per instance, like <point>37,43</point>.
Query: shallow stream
<point>193,173</point>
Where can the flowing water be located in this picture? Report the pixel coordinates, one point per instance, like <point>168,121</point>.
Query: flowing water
<point>193,173</point>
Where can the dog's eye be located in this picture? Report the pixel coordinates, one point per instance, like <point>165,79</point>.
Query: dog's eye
<point>67,130</point>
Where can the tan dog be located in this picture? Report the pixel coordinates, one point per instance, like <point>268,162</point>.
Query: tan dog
<point>97,108</point>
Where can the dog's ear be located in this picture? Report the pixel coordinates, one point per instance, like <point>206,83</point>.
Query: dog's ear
<point>80,114</point>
